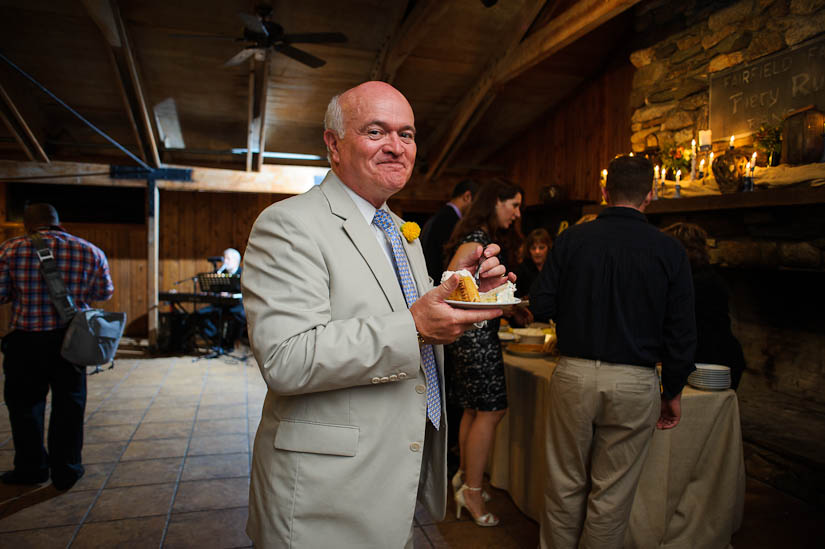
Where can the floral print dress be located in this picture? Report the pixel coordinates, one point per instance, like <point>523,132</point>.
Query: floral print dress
<point>477,365</point>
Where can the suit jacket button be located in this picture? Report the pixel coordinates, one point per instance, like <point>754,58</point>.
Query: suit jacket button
<point>402,375</point>
<point>420,389</point>
<point>415,446</point>
<point>375,380</point>
<point>384,379</point>
<point>393,377</point>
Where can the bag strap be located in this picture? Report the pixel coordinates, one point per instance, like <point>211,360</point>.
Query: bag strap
<point>60,297</point>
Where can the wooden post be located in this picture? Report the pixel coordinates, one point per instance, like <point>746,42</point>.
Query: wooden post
<point>152,245</point>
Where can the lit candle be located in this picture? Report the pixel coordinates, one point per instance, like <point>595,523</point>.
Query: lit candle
<point>747,168</point>
<point>753,160</point>
<point>678,175</point>
<point>702,167</point>
<point>604,176</point>
<point>692,159</point>
<point>631,153</point>
<point>656,182</point>
<point>731,141</point>
<point>603,184</point>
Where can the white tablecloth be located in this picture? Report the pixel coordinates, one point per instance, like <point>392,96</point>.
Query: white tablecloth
<point>692,490</point>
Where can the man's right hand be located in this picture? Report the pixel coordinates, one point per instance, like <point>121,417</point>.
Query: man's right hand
<point>671,413</point>
<point>440,323</point>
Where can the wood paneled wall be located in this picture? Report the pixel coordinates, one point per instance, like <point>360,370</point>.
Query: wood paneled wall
<point>193,226</point>
<point>575,141</point>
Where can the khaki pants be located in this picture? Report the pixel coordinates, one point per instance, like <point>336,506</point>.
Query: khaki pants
<point>599,428</point>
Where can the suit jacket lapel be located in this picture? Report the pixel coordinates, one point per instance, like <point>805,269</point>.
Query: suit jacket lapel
<point>364,240</point>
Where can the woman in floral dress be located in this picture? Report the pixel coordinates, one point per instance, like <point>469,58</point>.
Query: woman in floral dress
<point>478,368</point>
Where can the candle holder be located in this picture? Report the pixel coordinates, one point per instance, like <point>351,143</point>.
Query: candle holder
<point>729,171</point>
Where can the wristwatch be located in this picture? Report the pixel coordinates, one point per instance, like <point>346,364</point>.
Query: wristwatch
<point>420,338</point>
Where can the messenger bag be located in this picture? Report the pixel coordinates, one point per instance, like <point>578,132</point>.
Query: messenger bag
<point>92,335</point>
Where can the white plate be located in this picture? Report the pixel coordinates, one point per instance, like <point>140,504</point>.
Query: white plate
<point>712,367</point>
<point>709,387</point>
<point>477,305</point>
<point>527,354</point>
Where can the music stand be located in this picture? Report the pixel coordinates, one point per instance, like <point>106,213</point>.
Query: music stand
<point>217,283</point>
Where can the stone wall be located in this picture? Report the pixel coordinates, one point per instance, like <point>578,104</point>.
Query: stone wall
<point>773,259</point>
<point>670,88</point>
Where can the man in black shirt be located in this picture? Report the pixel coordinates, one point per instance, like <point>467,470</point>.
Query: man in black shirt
<point>621,294</point>
<point>439,227</point>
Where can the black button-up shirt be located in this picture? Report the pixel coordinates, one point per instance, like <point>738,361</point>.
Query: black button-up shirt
<point>621,291</point>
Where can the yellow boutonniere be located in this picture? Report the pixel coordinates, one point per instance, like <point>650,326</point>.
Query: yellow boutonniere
<point>410,230</point>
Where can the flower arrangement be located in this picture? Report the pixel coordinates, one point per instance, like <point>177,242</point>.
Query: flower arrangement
<point>410,230</point>
<point>768,139</point>
<point>676,158</point>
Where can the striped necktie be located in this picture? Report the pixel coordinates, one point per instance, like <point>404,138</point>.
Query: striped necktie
<point>383,221</point>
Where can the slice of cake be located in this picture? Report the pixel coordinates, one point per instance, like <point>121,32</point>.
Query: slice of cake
<point>467,289</point>
<point>502,294</point>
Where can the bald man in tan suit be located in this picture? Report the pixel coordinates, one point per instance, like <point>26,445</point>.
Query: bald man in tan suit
<point>347,439</point>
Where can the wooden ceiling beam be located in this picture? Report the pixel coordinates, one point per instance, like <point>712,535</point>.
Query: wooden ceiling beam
<point>402,43</point>
<point>578,20</point>
<point>570,25</point>
<point>472,106</point>
<point>18,127</point>
<point>106,15</point>
<point>275,179</point>
<point>251,134</point>
<point>256,112</point>
<point>478,114</point>
<point>261,93</point>
<point>395,21</point>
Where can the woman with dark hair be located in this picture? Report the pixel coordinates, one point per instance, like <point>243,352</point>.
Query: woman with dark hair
<point>478,368</point>
<point>537,246</point>
<point>715,342</point>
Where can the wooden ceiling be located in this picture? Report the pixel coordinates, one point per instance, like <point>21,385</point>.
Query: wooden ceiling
<point>475,76</point>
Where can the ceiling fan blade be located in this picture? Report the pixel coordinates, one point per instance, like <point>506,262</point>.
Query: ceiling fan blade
<point>253,23</point>
<point>209,36</point>
<point>315,37</point>
<point>242,56</point>
<point>300,56</point>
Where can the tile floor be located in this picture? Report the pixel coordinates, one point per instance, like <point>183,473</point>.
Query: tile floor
<point>167,457</point>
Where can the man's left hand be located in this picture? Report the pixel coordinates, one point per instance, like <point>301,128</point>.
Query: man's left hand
<point>671,413</point>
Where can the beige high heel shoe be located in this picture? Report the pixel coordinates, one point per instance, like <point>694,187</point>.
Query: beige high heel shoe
<point>458,480</point>
<point>487,519</point>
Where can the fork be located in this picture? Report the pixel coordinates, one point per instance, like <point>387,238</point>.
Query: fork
<point>478,268</point>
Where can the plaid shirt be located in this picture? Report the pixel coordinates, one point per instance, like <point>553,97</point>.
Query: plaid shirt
<point>82,266</point>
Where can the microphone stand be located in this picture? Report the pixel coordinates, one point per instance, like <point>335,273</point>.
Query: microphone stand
<point>194,280</point>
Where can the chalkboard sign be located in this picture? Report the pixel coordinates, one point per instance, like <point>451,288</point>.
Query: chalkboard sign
<point>765,90</point>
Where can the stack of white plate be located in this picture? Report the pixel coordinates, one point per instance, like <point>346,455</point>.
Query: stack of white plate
<point>711,377</point>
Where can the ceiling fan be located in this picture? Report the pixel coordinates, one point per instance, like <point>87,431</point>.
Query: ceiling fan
<point>263,35</point>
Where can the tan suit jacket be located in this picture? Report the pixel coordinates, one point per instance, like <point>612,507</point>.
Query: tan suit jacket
<point>340,451</point>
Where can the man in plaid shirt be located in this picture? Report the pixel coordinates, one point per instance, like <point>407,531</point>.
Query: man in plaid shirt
<point>31,350</point>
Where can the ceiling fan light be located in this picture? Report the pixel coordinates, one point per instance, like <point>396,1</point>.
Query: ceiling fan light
<point>281,155</point>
